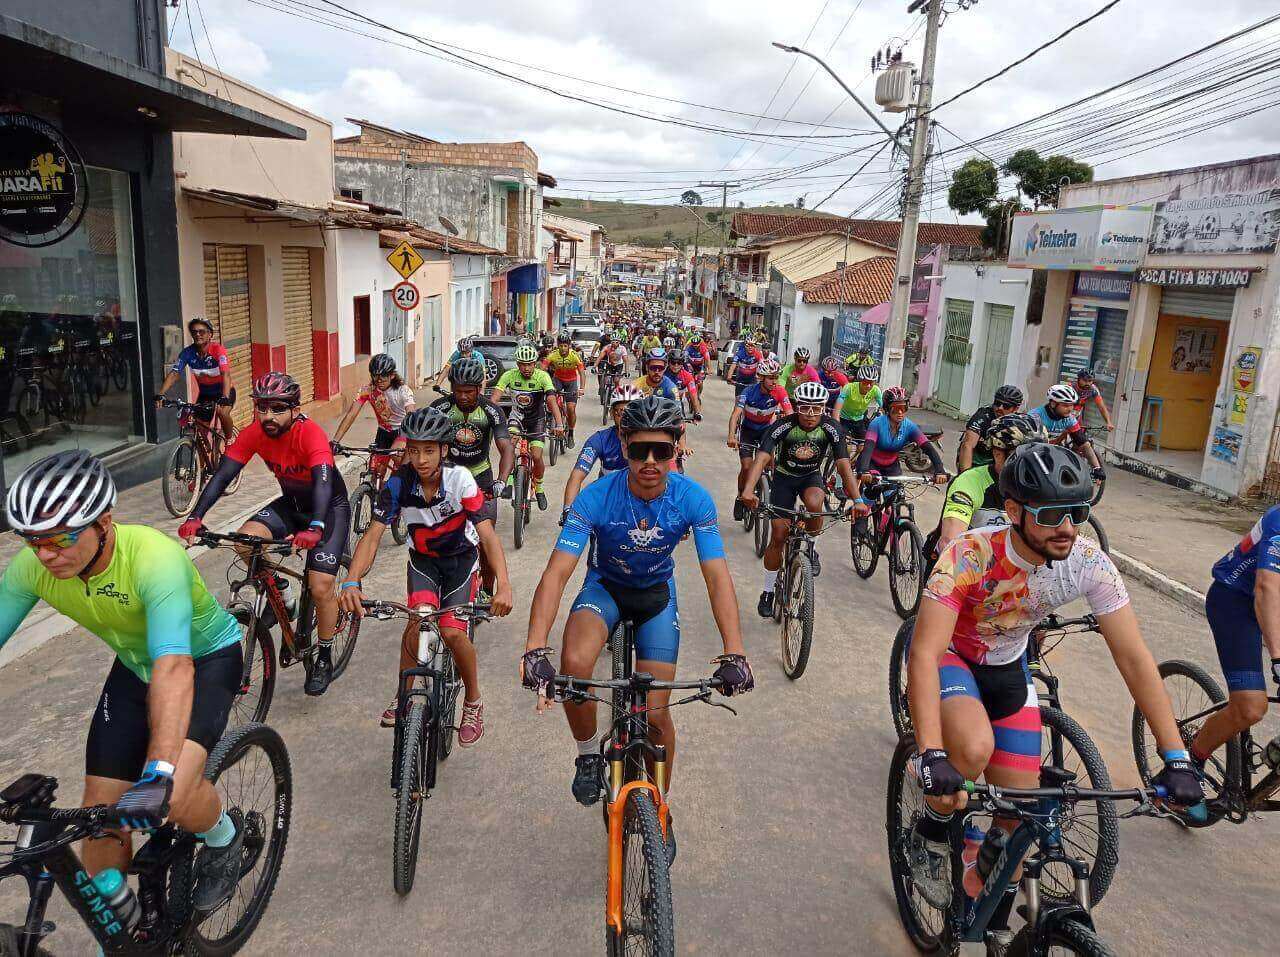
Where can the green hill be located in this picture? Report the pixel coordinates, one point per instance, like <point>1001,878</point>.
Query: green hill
<point>653,225</point>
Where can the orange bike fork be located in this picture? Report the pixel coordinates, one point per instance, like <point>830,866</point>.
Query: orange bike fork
<point>617,809</point>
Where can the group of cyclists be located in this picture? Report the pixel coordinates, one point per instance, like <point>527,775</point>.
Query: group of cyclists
<point>1005,554</point>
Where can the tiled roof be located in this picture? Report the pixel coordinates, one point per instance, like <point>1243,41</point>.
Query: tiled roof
<point>764,227</point>
<point>777,225</point>
<point>418,236</point>
<point>866,283</point>
<point>887,232</point>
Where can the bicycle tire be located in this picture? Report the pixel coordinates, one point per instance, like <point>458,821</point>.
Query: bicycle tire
<point>361,511</point>
<point>621,666</point>
<point>1069,935</point>
<point>446,708</point>
<point>399,529</point>
<point>899,706</point>
<point>270,826</point>
<point>762,527</point>
<point>120,374</point>
<point>799,589</point>
<point>9,943</point>
<point>915,459</point>
<point>906,591</point>
<point>863,546</point>
<point>1102,854</point>
<point>183,477</point>
<point>344,635</point>
<point>1223,768</point>
<point>646,881</point>
<point>518,493</point>
<point>28,404</point>
<point>258,647</point>
<point>1092,528</point>
<point>553,450</point>
<point>899,820</point>
<point>409,799</point>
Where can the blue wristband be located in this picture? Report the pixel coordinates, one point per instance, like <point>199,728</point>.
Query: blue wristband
<point>316,523</point>
<point>861,501</point>
<point>348,585</point>
<point>1175,755</point>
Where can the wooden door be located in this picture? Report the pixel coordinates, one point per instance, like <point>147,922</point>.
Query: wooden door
<point>1186,366</point>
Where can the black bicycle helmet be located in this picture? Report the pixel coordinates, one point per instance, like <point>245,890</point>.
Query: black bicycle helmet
<point>1009,395</point>
<point>653,413</point>
<point>1038,473</point>
<point>1010,431</point>
<point>564,335</point>
<point>382,364</point>
<point>468,370</point>
<point>427,425</point>
<point>68,489</point>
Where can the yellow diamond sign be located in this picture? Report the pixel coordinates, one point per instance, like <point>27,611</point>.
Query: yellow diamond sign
<point>405,260</point>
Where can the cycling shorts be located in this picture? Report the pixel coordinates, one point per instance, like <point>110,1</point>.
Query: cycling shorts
<point>741,387</point>
<point>785,489</point>
<point>749,441</point>
<point>209,395</point>
<point>282,518</point>
<point>119,731</point>
<point>1010,700</point>
<point>443,581</point>
<point>653,611</point>
<point>855,430</point>
<point>567,390</point>
<point>1237,637</point>
<point>489,509</point>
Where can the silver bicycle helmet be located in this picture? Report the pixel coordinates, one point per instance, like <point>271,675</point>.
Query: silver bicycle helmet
<point>68,489</point>
<point>428,425</point>
<point>468,370</point>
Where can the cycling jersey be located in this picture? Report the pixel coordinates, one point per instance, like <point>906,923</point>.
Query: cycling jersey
<point>565,367</point>
<point>792,377</point>
<point>209,369</point>
<point>798,451</point>
<point>854,403</point>
<point>442,525</point>
<point>834,382</point>
<point>979,422</point>
<point>1086,394</point>
<point>698,355</point>
<point>635,537</point>
<point>1056,427</point>
<point>389,406</point>
<point>470,445</point>
<point>858,361</point>
<point>972,491</point>
<point>528,396</point>
<point>457,354</point>
<point>649,343</point>
<point>612,357</point>
<point>745,359</point>
<point>664,388</point>
<point>760,407</point>
<point>148,602</point>
<point>604,447</point>
<point>682,379</point>
<point>1259,549</point>
<point>1000,597</point>
<point>291,457</point>
<point>883,444</point>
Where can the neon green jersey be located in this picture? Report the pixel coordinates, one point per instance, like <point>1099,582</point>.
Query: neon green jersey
<point>853,403</point>
<point>149,602</point>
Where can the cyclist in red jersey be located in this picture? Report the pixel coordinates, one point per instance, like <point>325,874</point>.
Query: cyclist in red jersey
<point>313,506</point>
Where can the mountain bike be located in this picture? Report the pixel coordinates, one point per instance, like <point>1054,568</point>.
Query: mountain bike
<point>366,492</point>
<point>1231,791</point>
<point>639,914</point>
<point>554,442</point>
<point>257,615</point>
<point>1065,925</point>
<point>753,519</point>
<point>426,705</point>
<point>793,608</point>
<point>1091,833</point>
<point>891,530</point>
<point>608,385</point>
<point>915,459</point>
<point>250,769</point>
<point>194,457</point>
<point>522,479</point>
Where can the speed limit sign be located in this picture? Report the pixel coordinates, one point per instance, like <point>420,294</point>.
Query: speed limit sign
<point>406,295</point>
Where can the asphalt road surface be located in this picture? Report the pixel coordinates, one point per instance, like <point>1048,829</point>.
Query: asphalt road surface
<point>779,812</point>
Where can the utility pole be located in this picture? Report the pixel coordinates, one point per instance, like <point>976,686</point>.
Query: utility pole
<point>724,188</point>
<point>895,334</point>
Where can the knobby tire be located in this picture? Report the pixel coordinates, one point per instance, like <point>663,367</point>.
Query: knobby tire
<point>646,882</point>
<point>798,615</point>
<point>410,798</point>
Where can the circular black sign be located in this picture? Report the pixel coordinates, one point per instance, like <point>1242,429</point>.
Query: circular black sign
<point>43,186</point>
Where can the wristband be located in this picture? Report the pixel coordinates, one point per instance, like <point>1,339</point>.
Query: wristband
<point>348,585</point>
<point>163,768</point>
<point>861,501</point>
<point>1175,754</point>
<point>316,523</point>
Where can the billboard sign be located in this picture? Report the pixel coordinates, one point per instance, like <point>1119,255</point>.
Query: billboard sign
<point>1090,237</point>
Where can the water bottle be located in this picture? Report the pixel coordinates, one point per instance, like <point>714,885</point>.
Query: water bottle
<point>1271,754</point>
<point>119,896</point>
<point>992,847</point>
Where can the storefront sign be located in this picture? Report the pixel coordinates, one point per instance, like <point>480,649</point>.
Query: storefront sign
<point>852,335</point>
<point>1219,223</point>
<point>1226,445</point>
<point>1122,236</point>
<point>1239,408</point>
<point>1200,278</point>
<point>1193,350</point>
<point>1090,237</point>
<point>1104,285</point>
<point>1244,371</point>
<point>920,283</point>
<point>1077,341</point>
<point>43,185</point>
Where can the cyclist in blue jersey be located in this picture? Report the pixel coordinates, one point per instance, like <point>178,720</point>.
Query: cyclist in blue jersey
<point>604,447</point>
<point>1243,607</point>
<point>211,367</point>
<point>466,349</point>
<point>637,517</point>
<point>1058,416</point>
<point>743,365</point>
<point>888,434</point>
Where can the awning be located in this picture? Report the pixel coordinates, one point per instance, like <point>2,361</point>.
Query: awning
<point>879,315</point>
<point>526,279</point>
<point>57,68</point>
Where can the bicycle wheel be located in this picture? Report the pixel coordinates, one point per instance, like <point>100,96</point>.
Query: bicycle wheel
<point>409,798</point>
<point>519,490</point>
<point>119,374</point>
<point>182,477</point>
<point>29,405</point>
<point>258,677</point>
<point>251,772</point>
<point>361,511</point>
<point>1090,829</point>
<point>925,924</point>
<point>1067,936</point>
<point>446,707</point>
<point>1193,693</point>
<point>344,635</point>
<point>553,450</point>
<point>898,706</point>
<point>648,918</point>
<point>1093,530</point>
<point>762,526</point>
<point>864,545</point>
<point>906,568</point>
<point>797,617</point>
<point>400,529</point>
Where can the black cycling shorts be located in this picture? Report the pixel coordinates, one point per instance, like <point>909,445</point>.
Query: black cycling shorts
<point>489,509</point>
<point>119,732</point>
<point>443,581</point>
<point>209,395</point>
<point>283,518</point>
<point>566,390</point>
<point>855,430</point>
<point>385,438</point>
<point>784,490</point>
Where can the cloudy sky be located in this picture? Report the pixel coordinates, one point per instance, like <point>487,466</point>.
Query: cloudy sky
<point>709,63</point>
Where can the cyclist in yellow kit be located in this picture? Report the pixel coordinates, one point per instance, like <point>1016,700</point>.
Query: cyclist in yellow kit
<point>569,373</point>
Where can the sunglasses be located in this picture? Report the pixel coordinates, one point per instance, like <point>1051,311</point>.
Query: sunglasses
<point>656,368</point>
<point>1051,516</point>
<point>661,451</point>
<point>1004,405</point>
<point>811,409</point>
<point>272,408</point>
<point>56,540</point>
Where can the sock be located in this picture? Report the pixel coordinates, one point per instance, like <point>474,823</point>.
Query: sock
<point>934,826</point>
<point>770,580</point>
<point>325,649</point>
<point>221,834</point>
<point>590,746</point>
<point>537,486</point>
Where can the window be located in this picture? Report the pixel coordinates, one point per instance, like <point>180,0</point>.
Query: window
<point>347,192</point>
<point>360,308</point>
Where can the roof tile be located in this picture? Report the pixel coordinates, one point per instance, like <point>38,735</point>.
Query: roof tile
<point>865,283</point>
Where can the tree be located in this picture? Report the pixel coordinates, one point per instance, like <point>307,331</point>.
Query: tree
<point>1039,179</point>
<point>690,198</point>
<point>669,236</point>
<point>713,216</point>
<point>974,186</point>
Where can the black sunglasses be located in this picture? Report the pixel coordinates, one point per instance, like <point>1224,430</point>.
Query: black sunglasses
<point>661,451</point>
<point>272,408</point>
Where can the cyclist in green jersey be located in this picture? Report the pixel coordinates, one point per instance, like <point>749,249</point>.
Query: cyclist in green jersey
<point>856,400</point>
<point>177,669</point>
<point>530,387</point>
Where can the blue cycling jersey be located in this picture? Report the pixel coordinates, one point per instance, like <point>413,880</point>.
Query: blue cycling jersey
<point>1259,549</point>
<point>604,447</point>
<point>635,538</point>
<point>885,439</point>
<point>1055,427</point>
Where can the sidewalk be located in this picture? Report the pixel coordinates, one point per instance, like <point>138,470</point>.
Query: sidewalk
<point>1164,536</point>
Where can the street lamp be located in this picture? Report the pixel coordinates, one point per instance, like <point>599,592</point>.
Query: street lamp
<point>853,96</point>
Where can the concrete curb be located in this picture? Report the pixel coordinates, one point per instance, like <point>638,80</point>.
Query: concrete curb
<point>1184,595</point>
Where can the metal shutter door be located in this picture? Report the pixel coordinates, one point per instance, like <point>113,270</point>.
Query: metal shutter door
<point>1108,350</point>
<point>226,296</point>
<point>296,261</point>
<point>1198,303</point>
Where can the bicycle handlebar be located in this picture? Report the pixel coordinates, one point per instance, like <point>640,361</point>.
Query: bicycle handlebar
<point>1052,622</point>
<point>240,538</point>
<point>184,404</point>
<point>340,449</point>
<point>802,513</point>
<point>386,610</point>
<point>1006,799</point>
<point>570,683</point>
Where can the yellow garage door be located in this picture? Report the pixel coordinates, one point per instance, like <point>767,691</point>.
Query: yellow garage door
<point>297,317</point>
<point>226,303</point>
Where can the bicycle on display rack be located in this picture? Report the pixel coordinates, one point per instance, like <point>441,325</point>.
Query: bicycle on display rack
<point>426,704</point>
<point>1092,833</point>
<point>1231,791</point>
<point>194,457</point>
<point>891,530</point>
<point>639,914</point>
<point>1053,925</point>
<point>522,479</point>
<point>793,608</point>
<point>250,769</point>
<point>266,609</point>
<point>366,492</point>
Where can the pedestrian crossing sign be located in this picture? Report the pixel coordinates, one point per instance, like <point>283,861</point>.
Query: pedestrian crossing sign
<point>405,259</point>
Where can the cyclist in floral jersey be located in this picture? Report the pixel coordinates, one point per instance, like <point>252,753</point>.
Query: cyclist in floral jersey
<point>390,399</point>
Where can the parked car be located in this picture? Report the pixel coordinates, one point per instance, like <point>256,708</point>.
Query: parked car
<point>726,356</point>
<point>500,355</point>
<point>587,341</point>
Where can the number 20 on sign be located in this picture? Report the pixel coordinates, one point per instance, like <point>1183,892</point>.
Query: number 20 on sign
<point>405,295</point>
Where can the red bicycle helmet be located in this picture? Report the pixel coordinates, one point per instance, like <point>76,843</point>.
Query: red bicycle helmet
<point>279,386</point>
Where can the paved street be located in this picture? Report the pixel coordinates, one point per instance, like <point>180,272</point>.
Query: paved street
<point>779,812</point>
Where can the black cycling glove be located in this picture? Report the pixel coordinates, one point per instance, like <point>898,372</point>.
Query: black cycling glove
<point>1099,474</point>
<point>536,670</point>
<point>1275,670</point>
<point>735,674</point>
<point>224,401</point>
<point>564,513</point>
<point>938,775</point>
<point>1181,781</point>
<point>146,804</point>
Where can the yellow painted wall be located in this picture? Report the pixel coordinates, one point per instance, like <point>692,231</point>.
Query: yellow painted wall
<point>1188,396</point>
<point>808,256</point>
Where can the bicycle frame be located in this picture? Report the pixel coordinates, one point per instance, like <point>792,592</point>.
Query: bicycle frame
<point>1242,794</point>
<point>260,575</point>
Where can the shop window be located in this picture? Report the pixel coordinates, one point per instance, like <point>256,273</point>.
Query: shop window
<point>347,192</point>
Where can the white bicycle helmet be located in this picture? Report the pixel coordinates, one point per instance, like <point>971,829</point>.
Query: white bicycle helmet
<point>625,393</point>
<point>1063,393</point>
<point>768,367</point>
<point>68,489</point>
<point>811,393</point>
